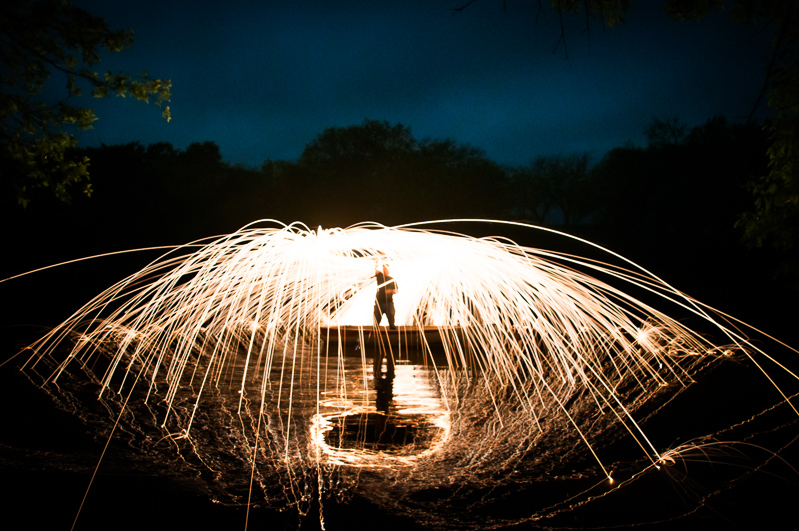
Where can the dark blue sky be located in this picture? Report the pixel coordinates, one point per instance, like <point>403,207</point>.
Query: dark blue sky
<point>263,78</point>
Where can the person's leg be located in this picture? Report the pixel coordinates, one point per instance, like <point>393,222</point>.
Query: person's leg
<point>378,314</point>
<point>390,314</point>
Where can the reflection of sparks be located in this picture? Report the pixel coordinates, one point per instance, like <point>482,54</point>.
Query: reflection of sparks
<point>539,337</point>
<point>413,397</point>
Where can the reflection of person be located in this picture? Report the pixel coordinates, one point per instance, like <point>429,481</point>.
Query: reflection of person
<point>384,299</point>
<point>384,395</point>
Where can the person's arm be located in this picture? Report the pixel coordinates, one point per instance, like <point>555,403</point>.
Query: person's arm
<point>391,287</point>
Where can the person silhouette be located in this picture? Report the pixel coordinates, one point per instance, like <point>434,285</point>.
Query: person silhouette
<point>384,298</point>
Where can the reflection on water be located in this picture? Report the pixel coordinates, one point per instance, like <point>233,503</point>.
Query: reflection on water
<point>306,425</point>
<point>402,418</point>
<point>422,442</point>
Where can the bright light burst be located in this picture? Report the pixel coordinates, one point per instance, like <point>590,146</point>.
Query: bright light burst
<point>532,359</point>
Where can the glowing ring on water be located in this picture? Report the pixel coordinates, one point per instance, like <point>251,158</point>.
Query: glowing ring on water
<point>322,424</point>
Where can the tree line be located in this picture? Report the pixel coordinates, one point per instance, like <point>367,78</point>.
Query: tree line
<point>684,182</point>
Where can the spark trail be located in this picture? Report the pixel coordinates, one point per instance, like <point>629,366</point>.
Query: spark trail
<point>532,358</point>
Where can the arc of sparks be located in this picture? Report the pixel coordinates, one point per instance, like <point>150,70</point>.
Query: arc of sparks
<point>257,301</point>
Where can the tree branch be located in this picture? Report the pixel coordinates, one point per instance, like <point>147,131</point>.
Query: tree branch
<point>455,10</point>
<point>772,62</point>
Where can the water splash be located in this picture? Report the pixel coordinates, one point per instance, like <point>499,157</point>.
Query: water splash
<point>535,367</point>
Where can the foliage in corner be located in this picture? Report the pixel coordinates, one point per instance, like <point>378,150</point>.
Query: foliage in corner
<point>773,221</point>
<point>612,12</point>
<point>45,41</point>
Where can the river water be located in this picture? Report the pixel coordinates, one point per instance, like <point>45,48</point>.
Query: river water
<point>388,445</point>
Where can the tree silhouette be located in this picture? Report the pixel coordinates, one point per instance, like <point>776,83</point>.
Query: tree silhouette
<point>356,169</point>
<point>379,172</point>
<point>452,180</point>
<point>554,188</point>
<point>686,192</point>
<point>668,132</point>
<point>52,40</point>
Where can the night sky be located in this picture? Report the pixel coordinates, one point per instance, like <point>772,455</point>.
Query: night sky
<point>263,79</point>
